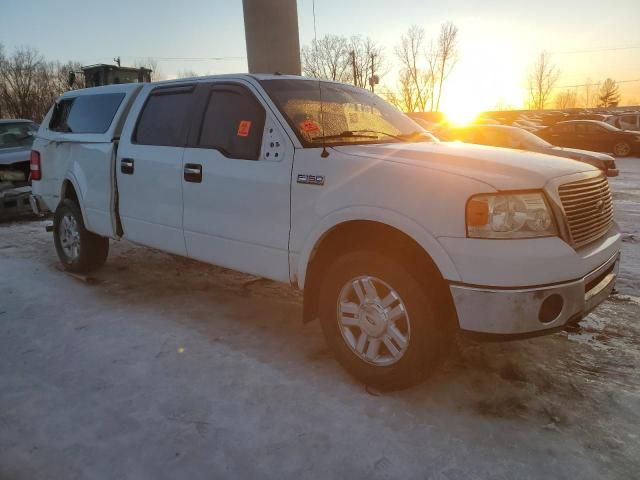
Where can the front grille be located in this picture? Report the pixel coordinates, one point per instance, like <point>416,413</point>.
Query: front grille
<point>588,205</point>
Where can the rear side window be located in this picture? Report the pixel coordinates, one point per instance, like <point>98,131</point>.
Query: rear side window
<point>60,114</point>
<point>164,118</point>
<point>86,113</point>
<point>233,123</point>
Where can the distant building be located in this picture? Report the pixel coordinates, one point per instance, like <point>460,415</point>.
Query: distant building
<point>103,74</point>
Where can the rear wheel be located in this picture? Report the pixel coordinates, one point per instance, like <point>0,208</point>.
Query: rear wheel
<point>622,149</point>
<point>379,321</point>
<point>79,250</point>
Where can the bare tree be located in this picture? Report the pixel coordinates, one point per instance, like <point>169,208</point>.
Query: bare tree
<point>405,96</point>
<point>609,94</point>
<point>23,77</point>
<point>446,56</point>
<point>414,81</point>
<point>542,78</point>
<point>152,64</point>
<point>366,58</point>
<point>29,84</point>
<point>566,99</point>
<point>327,58</point>
<point>186,74</point>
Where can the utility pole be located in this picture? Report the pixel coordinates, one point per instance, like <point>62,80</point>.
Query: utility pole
<point>355,69</point>
<point>271,34</point>
<point>373,72</point>
<point>373,80</point>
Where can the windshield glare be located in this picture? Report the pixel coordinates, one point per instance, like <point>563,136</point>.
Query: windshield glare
<point>530,140</point>
<point>369,118</point>
<point>19,134</point>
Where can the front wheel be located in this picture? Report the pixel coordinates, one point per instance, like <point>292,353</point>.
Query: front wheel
<point>380,322</point>
<point>79,250</point>
<point>622,149</point>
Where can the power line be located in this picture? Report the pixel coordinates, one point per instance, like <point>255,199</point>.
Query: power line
<point>593,50</point>
<point>595,84</point>
<point>187,59</point>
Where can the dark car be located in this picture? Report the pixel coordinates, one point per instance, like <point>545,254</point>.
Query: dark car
<point>517,138</point>
<point>592,135</point>
<point>16,137</point>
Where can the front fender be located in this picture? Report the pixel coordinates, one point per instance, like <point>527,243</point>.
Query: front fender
<point>391,218</point>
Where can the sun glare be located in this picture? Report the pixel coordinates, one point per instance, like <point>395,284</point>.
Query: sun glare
<point>462,116</point>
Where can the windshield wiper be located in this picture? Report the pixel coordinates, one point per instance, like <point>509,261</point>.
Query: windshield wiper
<point>359,134</point>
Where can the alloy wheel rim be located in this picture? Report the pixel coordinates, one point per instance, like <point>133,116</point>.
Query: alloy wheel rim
<point>373,320</point>
<point>69,235</point>
<point>622,149</point>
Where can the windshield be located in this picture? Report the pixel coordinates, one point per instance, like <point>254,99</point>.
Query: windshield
<point>19,134</point>
<point>528,139</point>
<point>349,114</point>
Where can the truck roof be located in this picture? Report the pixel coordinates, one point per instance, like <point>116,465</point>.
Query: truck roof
<point>127,87</point>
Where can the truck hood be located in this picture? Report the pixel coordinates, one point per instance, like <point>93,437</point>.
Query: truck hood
<point>14,155</point>
<point>501,168</point>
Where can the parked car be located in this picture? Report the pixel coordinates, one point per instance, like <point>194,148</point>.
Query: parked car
<point>397,240</point>
<point>627,121</point>
<point>592,135</point>
<point>513,137</point>
<point>16,137</point>
<point>428,120</point>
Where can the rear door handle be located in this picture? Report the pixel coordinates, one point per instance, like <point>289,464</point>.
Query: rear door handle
<point>193,172</point>
<point>126,166</point>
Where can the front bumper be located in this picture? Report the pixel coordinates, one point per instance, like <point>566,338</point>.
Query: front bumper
<point>536,310</point>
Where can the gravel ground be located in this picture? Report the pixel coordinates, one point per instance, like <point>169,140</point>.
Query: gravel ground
<point>159,367</point>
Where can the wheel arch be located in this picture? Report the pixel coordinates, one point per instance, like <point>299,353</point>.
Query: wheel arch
<point>404,238</point>
<point>69,189</point>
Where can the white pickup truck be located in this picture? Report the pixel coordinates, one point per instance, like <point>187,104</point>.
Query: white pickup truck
<point>398,240</point>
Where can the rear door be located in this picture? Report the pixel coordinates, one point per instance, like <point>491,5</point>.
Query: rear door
<point>563,135</point>
<point>236,182</point>
<point>149,167</point>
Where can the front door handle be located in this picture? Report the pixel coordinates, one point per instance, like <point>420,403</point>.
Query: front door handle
<point>193,172</point>
<point>126,166</point>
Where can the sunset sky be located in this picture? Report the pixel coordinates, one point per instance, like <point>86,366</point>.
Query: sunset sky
<point>498,39</point>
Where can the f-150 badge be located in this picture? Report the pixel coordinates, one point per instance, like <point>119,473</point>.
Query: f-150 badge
<point>311,179</point>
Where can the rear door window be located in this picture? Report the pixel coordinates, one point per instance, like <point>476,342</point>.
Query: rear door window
<point>233,123</point>
<point>164,118</point>
<point>563,129</point>
<point>628,122</point>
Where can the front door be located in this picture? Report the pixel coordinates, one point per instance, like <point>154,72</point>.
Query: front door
<point>236,183</point>
<point>149,169</point>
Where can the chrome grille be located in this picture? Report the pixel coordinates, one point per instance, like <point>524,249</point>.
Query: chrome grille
<point>588,206</point>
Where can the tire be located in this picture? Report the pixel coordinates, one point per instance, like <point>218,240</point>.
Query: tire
<point>417,321</point>
<point>79,250</point>
<point>622,149</point>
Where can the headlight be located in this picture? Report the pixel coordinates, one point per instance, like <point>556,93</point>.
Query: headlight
<point>509,215</point>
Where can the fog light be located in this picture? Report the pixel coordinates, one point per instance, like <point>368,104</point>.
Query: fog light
<point>550,308</point>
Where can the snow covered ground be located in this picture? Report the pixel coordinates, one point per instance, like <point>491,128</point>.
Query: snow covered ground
<point>160,367</point>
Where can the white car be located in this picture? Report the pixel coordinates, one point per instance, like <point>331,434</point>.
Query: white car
<point>398,240</point>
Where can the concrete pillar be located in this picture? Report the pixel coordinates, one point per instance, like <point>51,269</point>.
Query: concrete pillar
<point>271,32</point>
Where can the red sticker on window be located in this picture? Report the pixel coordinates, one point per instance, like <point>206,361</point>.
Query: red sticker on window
<point>309,126</point>
<point>243,128</point>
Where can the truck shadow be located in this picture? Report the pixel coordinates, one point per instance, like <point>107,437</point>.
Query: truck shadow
<point>549,381</point>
